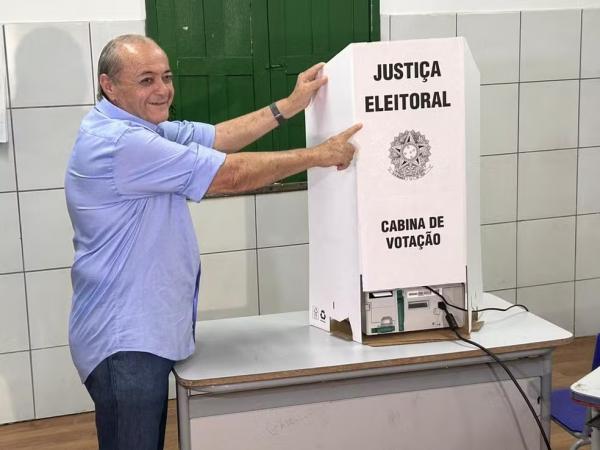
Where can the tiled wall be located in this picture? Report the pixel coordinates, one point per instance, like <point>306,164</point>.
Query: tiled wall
<point>540,210</point>
<point>254,249</point>
<point>540,153</point>
<point>49,73</point>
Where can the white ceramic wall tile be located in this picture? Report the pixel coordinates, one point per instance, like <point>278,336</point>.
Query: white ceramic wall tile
<point>13,314</point>
<point>57,386</point>
<point>7,160</point>
<point>590,43</point>
<point>384,24</point>
<point>49,301</point>
<point>494,43</point>
<point>546,251</point>
<point>550,44</point>
<point>589,122</point>
<point>102,32</point>
<point>553,302</point>
<point>510,295</point>
<point>587,304</point>
<point>588,181</point>
<point>228,285</point>
<point>499,118</point>
<point>588,247</point>
<point>498,188</point>
<point>283,279</point>
<point>47,231</point>
<point>282,219</point>
<point>547,184</point>
<point>421,26</point>
<point>16,396</point>
<point>224,224</point>
<point>498,256</point>
<point>548,115</point>
<point>11,258</point>
<point>44,138</point>
<point>49,64</point>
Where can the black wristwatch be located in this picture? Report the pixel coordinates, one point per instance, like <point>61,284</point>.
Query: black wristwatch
<point>277,114</point>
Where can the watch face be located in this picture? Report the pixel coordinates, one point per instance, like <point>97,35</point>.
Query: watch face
<point>409,151</point>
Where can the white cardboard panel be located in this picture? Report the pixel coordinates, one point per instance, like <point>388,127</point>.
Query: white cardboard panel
<point>415,183</point>
<point>384,197</point>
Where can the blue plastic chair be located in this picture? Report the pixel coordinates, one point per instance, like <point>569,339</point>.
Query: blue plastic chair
<point>570,415</point>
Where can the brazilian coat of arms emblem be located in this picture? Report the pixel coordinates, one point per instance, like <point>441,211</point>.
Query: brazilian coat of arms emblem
<point>409,154</point>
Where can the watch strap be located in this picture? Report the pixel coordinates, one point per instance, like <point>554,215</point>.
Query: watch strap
<point>277,114</point>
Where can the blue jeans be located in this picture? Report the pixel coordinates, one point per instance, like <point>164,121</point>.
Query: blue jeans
<point>130,391</point>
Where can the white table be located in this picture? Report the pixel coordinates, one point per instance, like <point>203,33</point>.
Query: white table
<point>587,392</point>
<point>273,382</point>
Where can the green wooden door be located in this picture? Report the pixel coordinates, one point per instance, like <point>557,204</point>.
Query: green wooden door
<point>230,57</point>
<point>218,51</point>
<point>303,33</point>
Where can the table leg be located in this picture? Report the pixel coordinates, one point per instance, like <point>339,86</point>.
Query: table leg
<point>183,418</point>
<point>595,433</point>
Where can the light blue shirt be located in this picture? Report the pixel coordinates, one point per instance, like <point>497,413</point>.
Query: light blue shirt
<point>137,264</point>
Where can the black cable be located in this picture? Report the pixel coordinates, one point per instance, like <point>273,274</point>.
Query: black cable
<point>476,310</point>
<point>454,327</point>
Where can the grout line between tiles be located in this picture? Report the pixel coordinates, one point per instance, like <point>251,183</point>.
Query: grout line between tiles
<point>518,159</point>
<point>18,108</point>
<point>256,255</point>
<point>254,248</point>
<point>21,191</point>
<point>91,60</point>
<point>577,170</point>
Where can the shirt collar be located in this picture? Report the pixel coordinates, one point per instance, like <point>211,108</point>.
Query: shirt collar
<point>114,112</point>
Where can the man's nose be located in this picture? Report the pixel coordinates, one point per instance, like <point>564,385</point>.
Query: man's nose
<point>164,87</point>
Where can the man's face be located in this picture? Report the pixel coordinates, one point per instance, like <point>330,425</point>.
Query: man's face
<point>143,86</point>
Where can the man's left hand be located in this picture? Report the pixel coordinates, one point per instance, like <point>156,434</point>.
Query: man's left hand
<point>307,85</point>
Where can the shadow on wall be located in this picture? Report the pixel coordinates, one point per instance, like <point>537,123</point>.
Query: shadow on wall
<point>48,69</point>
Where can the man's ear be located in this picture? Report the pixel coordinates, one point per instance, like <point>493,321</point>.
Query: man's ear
<point>108,86</point>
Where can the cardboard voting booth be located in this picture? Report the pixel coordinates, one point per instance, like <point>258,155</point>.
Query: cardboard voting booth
<point>405,215</point>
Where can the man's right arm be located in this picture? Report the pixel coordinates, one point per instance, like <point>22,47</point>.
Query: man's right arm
<point>248,171</point>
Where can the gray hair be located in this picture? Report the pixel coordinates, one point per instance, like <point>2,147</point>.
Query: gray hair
<point>109,62</point>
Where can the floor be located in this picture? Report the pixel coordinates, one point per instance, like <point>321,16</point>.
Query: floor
<point>77,431</point>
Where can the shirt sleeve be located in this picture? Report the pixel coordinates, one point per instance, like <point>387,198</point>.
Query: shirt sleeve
<point>184,132</point>
<point>145,163</point>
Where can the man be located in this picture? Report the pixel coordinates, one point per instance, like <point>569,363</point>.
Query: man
<point>136,268</point>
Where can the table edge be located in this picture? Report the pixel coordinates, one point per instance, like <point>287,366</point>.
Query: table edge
<point>281,375</point>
